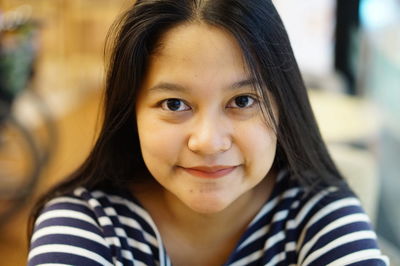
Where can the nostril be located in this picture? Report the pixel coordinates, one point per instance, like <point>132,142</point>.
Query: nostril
<point>210,134</point>
<point>209,145</point>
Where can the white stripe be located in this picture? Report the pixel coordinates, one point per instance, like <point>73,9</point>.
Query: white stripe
<point>104,221</point>
<point>168,261</point>
<point>99,194</point>
<point>295,205</point>
<point>163,256</point>
<point>248,259</point>
<point>94,203</point>
<point>65,214</point>
<point>276,259</point>
<point>128,255</point>
<point>142,213</point>
<point>346,202</point>
<point>325,211</point>
<point>79,191</point>
<point>114,241</point>
<point>65,199</point>
<point>53,264</point>
<point>134,224</point>
<point>117,262</point>
<point>120,231</point>
<point>129,204</point>
<point>293,224</point>
<point>362,255</point>
<point>274,239</point>
<point>85,234</point>
<point>272,203</point>
<point>68,250</point>
<point>281,175</point>
<point>257,234</point>
<point>138,263</point>
<point>132,242</point>
<point>129,222</point>
<point>290,246</point>
<point>358,217</point>
<point>279,216</point>
<point>139,245</point>
<point>110,211</point>
<point>66,230</point>
<point>338,242</point>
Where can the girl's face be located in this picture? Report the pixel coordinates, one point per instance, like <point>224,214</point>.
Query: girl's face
<point>201,130</point>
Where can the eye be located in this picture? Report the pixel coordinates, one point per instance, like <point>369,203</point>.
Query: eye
<point>242,101</point>
<point>174,105</point>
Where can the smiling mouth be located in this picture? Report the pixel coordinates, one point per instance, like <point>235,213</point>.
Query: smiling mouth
<point>209,171</point>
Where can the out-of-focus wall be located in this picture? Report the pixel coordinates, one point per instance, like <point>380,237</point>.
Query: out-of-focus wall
<point>72,34</point>
<point>310,25</point>
<point>381,79</point>
<point>362,131</point>
<point>69,78</point>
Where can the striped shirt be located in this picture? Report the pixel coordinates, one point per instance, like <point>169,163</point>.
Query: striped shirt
<point>292,228</point>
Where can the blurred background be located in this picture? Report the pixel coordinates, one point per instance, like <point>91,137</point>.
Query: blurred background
<point>52,73</point>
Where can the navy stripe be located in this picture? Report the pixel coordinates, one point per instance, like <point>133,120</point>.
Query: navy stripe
<point>340,231</point>
<point>369,262</point>
<point>62,258</point>
<point>344,250</point>
<point>71,222</point>
<point>72,207</point>
<point>73,241</point>
<point>124,210</point>
<point>333,216</point>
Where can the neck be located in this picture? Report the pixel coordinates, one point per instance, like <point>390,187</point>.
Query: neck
<point>169,212</point>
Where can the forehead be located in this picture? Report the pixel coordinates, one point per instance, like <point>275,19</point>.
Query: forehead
<point>201,36</point>
<point>197,52</point>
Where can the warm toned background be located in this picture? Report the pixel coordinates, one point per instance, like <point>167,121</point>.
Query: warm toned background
<point>70,73</point>
<point>69,76</point>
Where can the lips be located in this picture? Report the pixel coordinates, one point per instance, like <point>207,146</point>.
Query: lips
<point>210,171</point>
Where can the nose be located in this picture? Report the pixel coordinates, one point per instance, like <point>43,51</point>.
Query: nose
<point>210,135</point>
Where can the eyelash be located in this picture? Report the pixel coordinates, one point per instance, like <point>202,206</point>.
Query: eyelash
<point>253,98</point>
<point>165,102</point>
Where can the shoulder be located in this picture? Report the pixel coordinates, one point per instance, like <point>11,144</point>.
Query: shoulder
<point>67,232</point>
<point>88,228</point>
<point>333,228</point>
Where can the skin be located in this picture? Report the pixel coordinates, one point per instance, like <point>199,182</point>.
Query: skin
<point>211,156</point>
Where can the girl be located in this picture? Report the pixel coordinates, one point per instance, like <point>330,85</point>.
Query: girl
<point>209,153</point>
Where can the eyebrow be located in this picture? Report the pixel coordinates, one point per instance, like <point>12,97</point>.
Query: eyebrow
<point>167,86</point>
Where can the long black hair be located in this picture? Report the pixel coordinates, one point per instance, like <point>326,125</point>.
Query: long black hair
<point>116,157</point>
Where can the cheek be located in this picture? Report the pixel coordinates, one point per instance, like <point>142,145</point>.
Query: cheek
<point>259,147</point>
<point>159,143</point>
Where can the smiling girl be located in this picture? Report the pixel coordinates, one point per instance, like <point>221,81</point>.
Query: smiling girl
<point>209,153</point>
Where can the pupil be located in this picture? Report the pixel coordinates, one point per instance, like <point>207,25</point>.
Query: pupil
<point>173,104</point>
<point>242,101</point>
